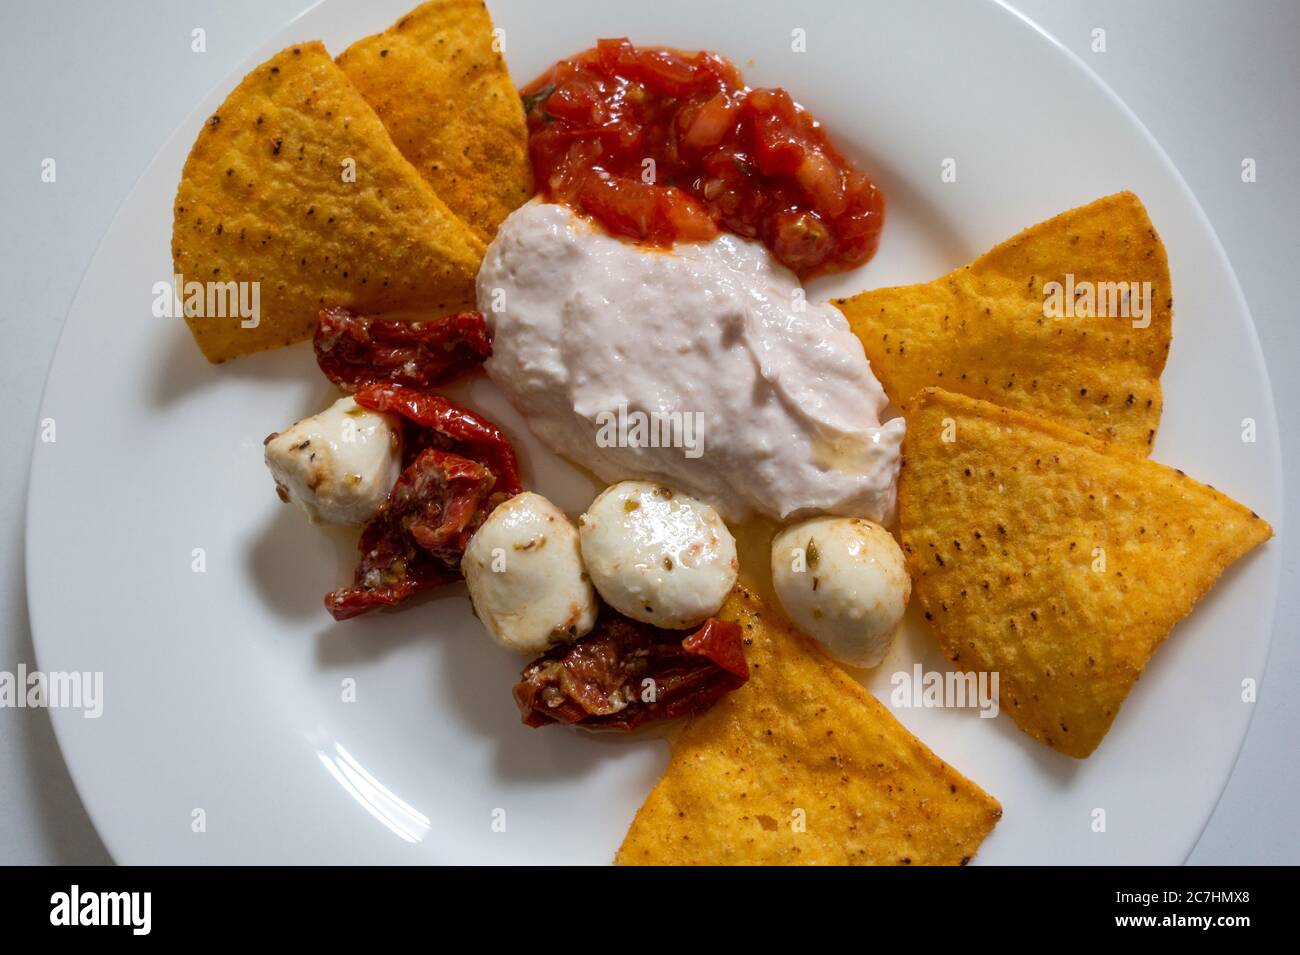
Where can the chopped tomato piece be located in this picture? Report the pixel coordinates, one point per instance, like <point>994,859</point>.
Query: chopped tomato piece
<point>799,239</point>
<point>709,123</point>
<point>770,122</point>
<point>823,181</point>
<point>643,212</point>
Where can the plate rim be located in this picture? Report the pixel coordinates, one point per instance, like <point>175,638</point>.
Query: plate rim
<point>98,814</point>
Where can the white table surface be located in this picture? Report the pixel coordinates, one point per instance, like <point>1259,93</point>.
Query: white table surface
<point>98,86</point>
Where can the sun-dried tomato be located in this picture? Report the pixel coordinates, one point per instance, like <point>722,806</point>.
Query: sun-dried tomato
<point>625,674</point>
<point>459,466</point>
<point>354,350</point>
<point>416,542</point>
<point>449,427</point>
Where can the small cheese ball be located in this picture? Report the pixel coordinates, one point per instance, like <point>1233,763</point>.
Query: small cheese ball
<point>524,571</point>
<point>843,582</point>
<point>339,465</point>
<point>657,555</point>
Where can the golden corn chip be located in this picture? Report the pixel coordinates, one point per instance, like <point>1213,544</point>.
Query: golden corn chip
<point>439,84</point>
<point>1087,350</point>
<point>803,766</point>
<point>294,185</point>
<point>1055,560</point>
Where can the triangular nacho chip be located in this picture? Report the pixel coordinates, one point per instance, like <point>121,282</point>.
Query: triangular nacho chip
<point>803,766</point>
<point>1055,560</point>
<point>999,329</point>
<point>293,184</point>
<point>438,81</point>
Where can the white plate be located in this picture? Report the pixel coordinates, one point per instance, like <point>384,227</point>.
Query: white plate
<point>223,690</point>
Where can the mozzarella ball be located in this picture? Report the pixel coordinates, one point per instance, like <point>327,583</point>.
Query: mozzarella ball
<point>338,465</point>
<point>656,555</point>
<point>524,571</point>
<point>842,581</point>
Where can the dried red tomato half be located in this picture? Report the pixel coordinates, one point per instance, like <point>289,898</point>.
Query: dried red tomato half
<point>416,542</point>
<point>353,350</point>
<point>450,427</point>
<point>625,674</point>
<point>439,501</point>
<point>459,467</point>
<point>392,568</point>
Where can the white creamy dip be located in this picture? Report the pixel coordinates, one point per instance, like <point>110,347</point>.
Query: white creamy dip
<point>609,349</point>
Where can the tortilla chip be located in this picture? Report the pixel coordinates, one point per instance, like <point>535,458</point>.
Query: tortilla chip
<point>983,330</point>
<point>803,766</point>
<point>1055,560</point>
<point>441,87</point>
<point>265,197</point>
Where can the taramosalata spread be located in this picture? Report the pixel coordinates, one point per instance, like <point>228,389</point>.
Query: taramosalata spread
<point>778,408</point>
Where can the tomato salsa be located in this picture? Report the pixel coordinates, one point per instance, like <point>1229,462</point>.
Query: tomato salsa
<point>665,146</point>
